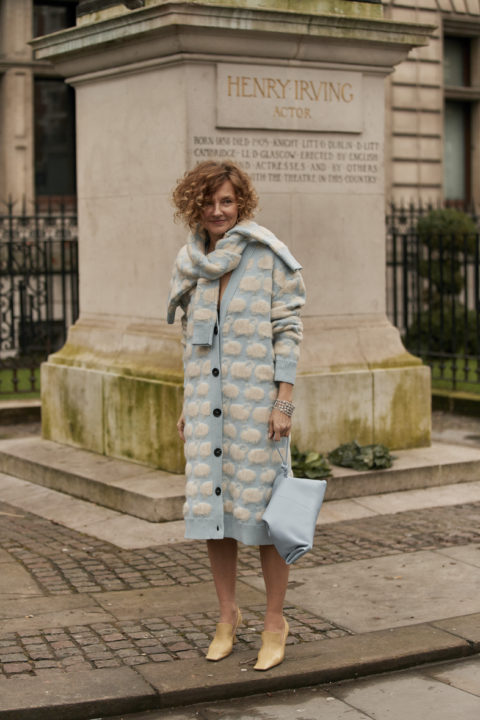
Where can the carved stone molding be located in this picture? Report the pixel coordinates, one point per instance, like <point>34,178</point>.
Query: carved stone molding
<point>88,6</point>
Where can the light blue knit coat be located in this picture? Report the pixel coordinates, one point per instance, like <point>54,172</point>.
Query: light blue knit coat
<point>233,362</point>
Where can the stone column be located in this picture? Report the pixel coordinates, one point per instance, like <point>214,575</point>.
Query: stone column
<point>16,100</point>
<point>297,97</point>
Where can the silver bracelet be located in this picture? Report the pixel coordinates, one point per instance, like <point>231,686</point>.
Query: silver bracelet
<point>285,407</point>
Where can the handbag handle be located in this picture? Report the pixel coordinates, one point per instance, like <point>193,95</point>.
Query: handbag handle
<point>284,459</point>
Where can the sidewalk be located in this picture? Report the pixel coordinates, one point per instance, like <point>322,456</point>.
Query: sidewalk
<point>91,628</point>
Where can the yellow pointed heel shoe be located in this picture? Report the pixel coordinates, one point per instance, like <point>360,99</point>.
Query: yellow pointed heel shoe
<point>272,651</point>
<point>225,637</point>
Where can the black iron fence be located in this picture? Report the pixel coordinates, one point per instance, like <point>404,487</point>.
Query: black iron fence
<point>433,290</point>
<point>38,289</point>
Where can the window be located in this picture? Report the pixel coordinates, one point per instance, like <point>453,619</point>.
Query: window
<point>457,152</point>
<point>460,106</point>
<point>54,112</point>
<point>456,61</point>
<point>54,138</point>
<point>49,17</point>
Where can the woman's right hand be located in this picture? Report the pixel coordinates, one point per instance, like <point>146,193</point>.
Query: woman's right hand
<point>181,427</point>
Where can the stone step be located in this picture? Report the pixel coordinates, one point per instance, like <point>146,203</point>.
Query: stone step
<point>158,496</point>
<point>121,485</point>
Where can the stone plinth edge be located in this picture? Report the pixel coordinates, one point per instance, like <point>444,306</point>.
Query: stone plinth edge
<point>127,487</point>
<point>82,406</point>
<point>168,29</point>
<point>158,496</point>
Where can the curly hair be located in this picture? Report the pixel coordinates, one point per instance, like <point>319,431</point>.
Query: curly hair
<point>198,185</point>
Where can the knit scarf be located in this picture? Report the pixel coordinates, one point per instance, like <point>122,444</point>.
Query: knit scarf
<point>196,271</point>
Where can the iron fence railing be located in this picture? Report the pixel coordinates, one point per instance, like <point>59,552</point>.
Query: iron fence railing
<point>38,289</point>
<point>433,292</point>
<point>433,296</point>
<point>403,217</point>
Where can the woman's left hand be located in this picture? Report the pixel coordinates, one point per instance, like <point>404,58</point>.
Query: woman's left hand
<point>279,425</point>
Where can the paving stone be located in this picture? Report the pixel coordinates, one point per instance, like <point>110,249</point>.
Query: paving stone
<point>120,645</point>
<point>64,561</point>
<point>104,691</point>
<point>50,663</point>
<point>72,558</point>
<point>14,668</point>
<point>112,662</point>
<point>170,641</point>
<point>13,657</point>
<point>409,696</point>
<point>136,660</point>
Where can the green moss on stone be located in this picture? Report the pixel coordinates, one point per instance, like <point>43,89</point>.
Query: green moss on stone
<point>307,7</point>
<point>120,416</point>
<point>140,421</point>
<point>304,7</point>
<point>156,366</point>
<point>402,360</point>
<point>407,422</point>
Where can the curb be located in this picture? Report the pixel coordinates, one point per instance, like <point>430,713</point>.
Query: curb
<point>457,402</point>
<point>158,496</point>
<point>90,694</point>
<point>15,412</point>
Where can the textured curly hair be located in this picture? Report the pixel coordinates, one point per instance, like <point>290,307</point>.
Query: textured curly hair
<point>198,185</point>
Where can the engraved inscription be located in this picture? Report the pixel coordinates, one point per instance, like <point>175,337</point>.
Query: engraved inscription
<point>256,96</point>
<point>337,163</point>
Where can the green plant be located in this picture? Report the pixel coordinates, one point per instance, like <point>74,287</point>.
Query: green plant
<point>432,331</point>
<point>447,236</point>
<point>311,464</point>
<point>446,226</point>
<point>448,241</point>
<point>361,457</point>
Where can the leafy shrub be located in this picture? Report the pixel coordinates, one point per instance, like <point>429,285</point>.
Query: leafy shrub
<point>311,464</point>
<point>315,466</point>
<point>447,226</point>
<point>448,240</point>
<point>436,334</point>
<point>361,457</point>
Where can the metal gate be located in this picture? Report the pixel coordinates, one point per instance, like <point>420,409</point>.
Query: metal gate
<point>38,290</point>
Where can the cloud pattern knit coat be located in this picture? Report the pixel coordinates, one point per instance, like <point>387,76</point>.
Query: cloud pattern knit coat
<point>231,384</point>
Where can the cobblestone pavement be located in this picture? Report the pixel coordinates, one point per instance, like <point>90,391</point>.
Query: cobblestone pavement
<point>63,561</point>
<point>103,645</point>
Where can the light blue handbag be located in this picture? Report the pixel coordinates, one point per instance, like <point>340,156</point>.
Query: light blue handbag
<point>292,512</point>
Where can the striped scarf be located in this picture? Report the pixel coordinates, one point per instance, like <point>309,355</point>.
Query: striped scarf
<point>194,270</point>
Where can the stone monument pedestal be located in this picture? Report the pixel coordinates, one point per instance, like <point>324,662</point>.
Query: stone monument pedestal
<point>296,97</point>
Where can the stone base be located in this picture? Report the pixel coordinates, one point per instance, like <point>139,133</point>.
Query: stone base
<point>118,415</point>
<point>390,406</point>
<point>135,418</point>
<point>116,388</point>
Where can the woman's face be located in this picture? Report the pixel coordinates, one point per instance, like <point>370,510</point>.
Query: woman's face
<point>220,212</point>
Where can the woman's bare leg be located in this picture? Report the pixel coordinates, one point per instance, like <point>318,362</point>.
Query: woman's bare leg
<point>223,563</point>
<point>275,574</point>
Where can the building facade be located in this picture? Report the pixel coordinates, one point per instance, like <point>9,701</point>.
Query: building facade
<point>433,105</point>
<point>37,108</point>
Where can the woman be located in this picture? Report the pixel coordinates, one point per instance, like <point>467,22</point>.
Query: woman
<point>241,291</point>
